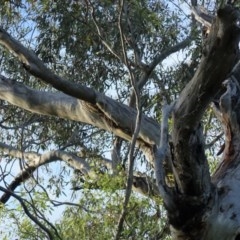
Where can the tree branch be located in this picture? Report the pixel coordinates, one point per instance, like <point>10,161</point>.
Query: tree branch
<point>190,164</point>
<point>159,58</point>
<point>202,16</point>
<point>34,161</point>
<point>36,67</point>
<point>108,47</point>
<point>25,208</point>
<point>148,69</point>
<point>107,114</point>
<point>228,114</point>
<point>115,154</point>
<point>137,126</point>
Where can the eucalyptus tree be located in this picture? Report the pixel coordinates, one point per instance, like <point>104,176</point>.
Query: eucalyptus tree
<point>125,112</point>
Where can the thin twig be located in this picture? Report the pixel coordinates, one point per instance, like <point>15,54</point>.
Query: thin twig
<point>34,160</point>
<point>100,34</point>
<point>136,130</point>
<point>33,218</point>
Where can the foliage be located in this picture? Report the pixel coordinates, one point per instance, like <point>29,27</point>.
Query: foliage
<point>100,218</point>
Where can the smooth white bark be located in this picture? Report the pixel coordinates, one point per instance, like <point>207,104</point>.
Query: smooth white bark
<point>106,114</point>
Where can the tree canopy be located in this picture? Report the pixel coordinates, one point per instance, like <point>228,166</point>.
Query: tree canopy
<point>114,116</point>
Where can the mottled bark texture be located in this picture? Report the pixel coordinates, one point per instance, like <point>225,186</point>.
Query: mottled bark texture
<point>199,207</point>
<point>205,208</point>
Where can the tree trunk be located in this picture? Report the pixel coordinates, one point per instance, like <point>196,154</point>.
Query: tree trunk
<point>199,206</point>
<point>203,207</point>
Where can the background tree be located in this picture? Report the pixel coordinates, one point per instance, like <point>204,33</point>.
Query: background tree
<point>84,87</point>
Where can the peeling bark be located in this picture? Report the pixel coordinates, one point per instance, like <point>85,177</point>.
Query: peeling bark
<point>224,222</point>
<point>199,207</point>
<point>105,113</point>
<point>198,215</point>
<point>190,160</point>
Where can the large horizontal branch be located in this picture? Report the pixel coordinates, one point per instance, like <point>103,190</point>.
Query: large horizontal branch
<point>34,160</point>
<point>36,67</point>
<point>95,109</point>
<point>219,56</point>
<point>115,116</point>
<point>105,114</point>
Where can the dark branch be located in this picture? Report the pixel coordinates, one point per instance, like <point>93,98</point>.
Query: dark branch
<point>36,67</point>
<point>191,166</point>
<point>34,161</point>
<point>25,208</point>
